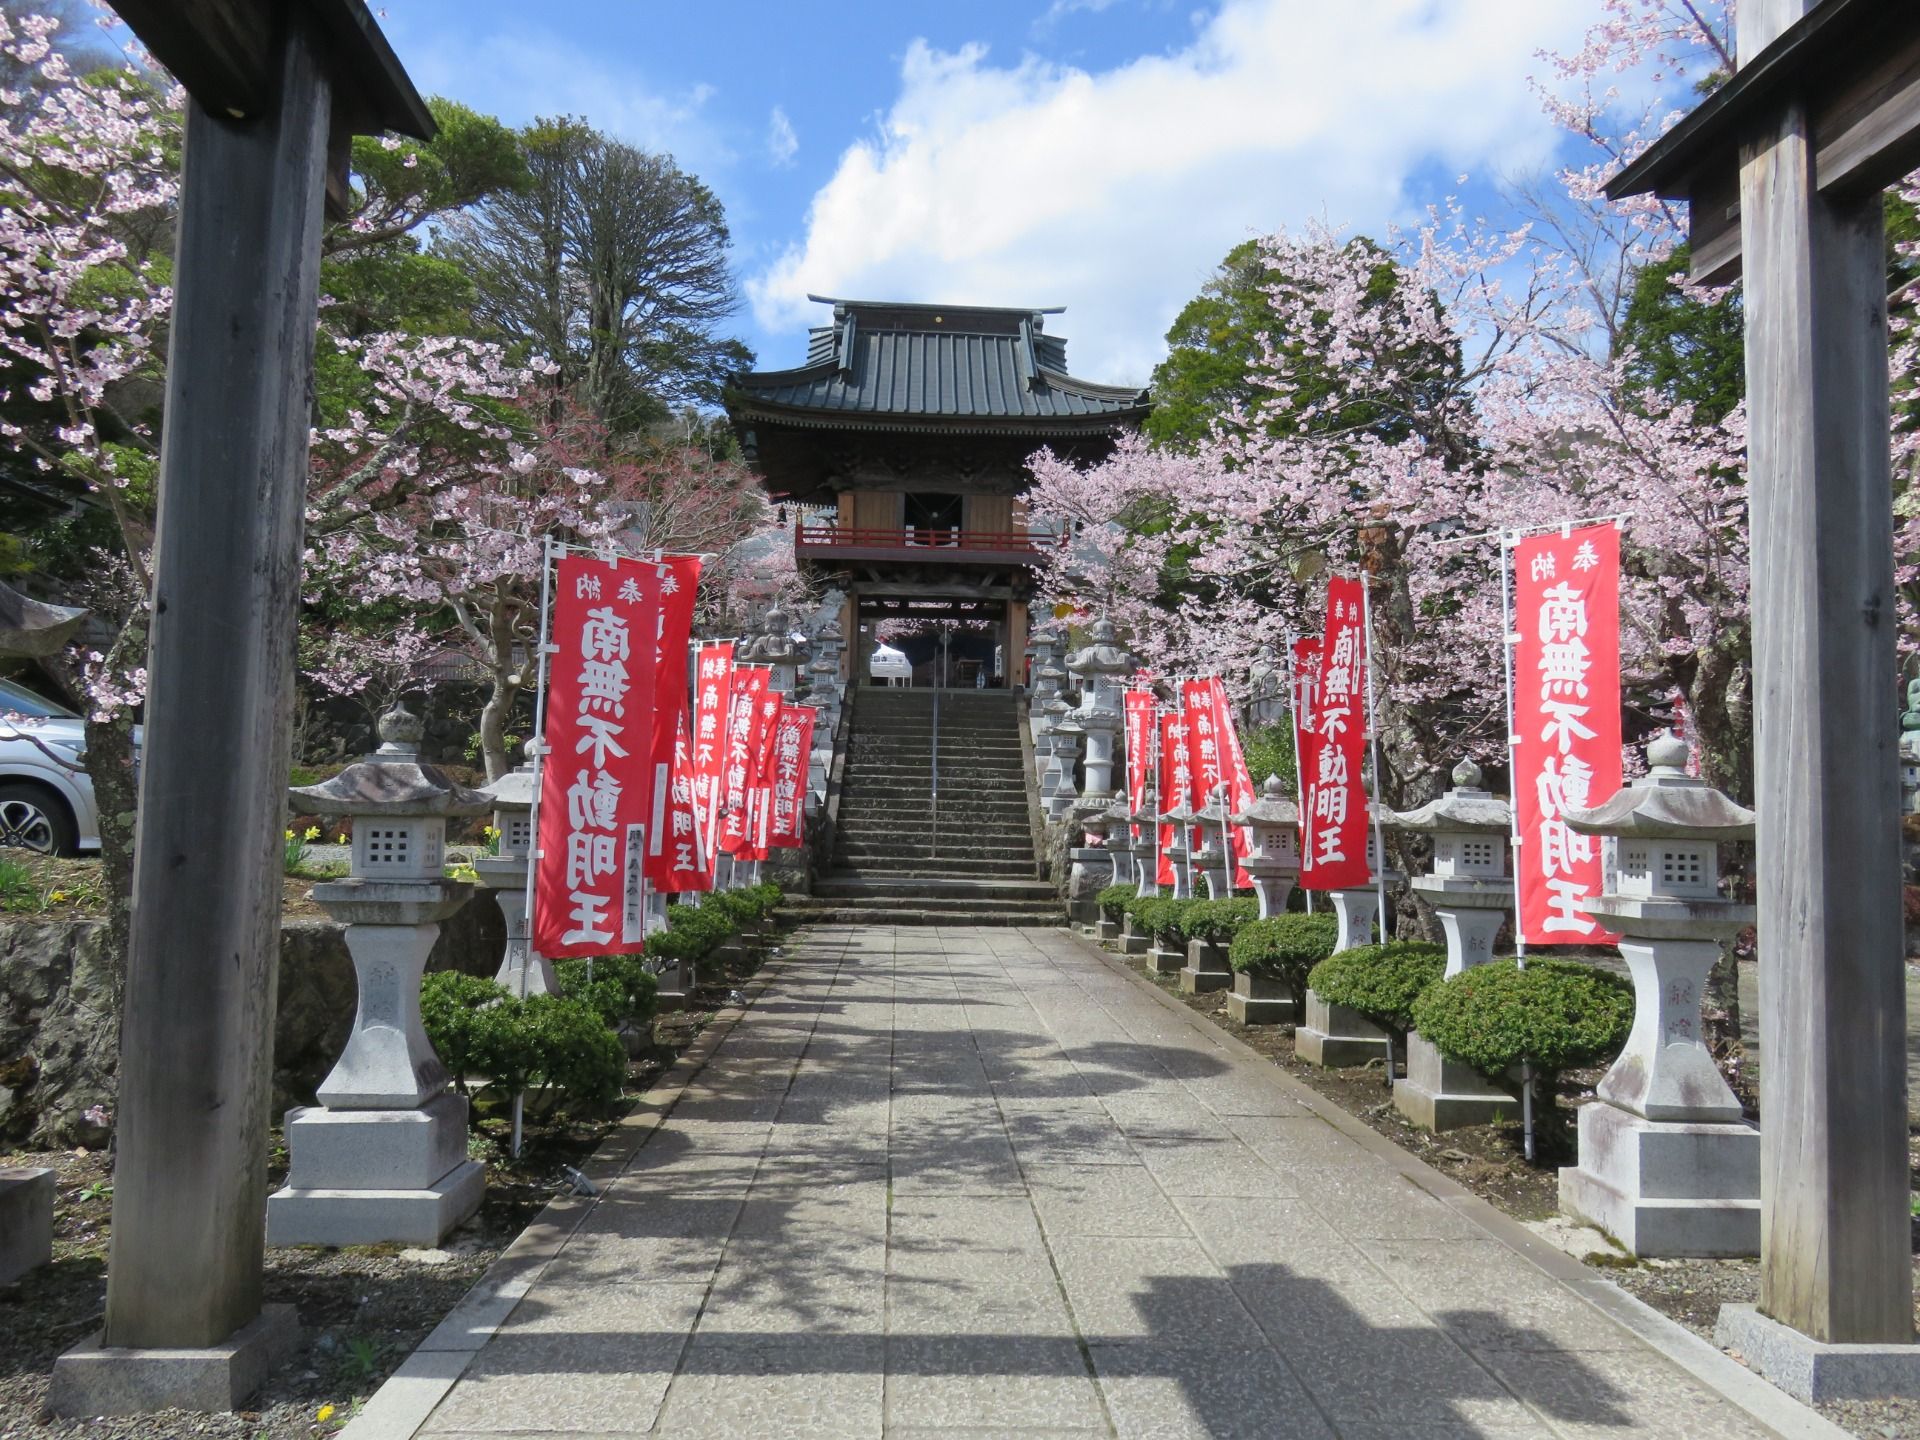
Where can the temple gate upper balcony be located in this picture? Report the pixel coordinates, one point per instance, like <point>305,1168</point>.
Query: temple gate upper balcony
<point>833,543</point>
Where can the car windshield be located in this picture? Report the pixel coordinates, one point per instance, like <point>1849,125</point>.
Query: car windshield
<point>18,700</point>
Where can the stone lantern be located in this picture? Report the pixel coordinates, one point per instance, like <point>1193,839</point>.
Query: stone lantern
<point>1146,845</point>
<point>1667,1165</point>
<point>1472,894</point>
<point>1214,858</point>
<point>1356,910</point>
<point>1274,862</point>
<point>1120,841</point>
<point>1048,703</point>
<point>522,972</point>
<point>1089,863</point>
<point>1163,958</point>
<point>1057,794</point>
<point>776,649</point>
<point>383,1156</point>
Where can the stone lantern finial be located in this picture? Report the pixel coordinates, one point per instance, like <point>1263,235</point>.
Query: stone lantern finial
<point>1467,775</point>
<point>400,731</point>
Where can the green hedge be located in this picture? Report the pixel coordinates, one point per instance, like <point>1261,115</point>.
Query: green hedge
<point>622,989</point>
<point>1382,982</point>
<point>1218,921</point>
<point>1554,1015</point>
<point>1113,901</point>
<point>543,1041</point>
<point>1284,948</point>
<point>1161,917</point>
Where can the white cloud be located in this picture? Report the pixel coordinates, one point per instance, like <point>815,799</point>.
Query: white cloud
<point>782,143</point>
<point>1117,193</point>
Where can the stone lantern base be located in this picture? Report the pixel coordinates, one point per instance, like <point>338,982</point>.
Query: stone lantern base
<point>1085,879</point>
<point>1334,1036</point>
<point>1259,1000</point>
<point>1109,930</point>
<point>1443,1094</point>
<point>1166,959</point>
<point>1206,969</point>
<point>1355,910</point>
<point>1666,1188</point>
<point>367,1177</point>
<point>1133,940</point>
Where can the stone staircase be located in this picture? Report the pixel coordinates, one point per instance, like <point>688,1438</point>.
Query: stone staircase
<point>893,862</point>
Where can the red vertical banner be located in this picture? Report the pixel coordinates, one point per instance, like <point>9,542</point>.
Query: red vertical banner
<point>1233,769</point>
<point>679,580</point>
<point>1172,783</point>
<point>760,787</point>
<point>792,749</point>
<point>1566,723</point>
<point>686,849</point>
<point>592,839</point>
<point>1334,813</point>
<point>739,757</point>
<point>1140,735</point>
<point>1203,741</point>
<point>712,703</point>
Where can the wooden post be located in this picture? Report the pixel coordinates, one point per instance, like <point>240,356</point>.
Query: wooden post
<point>1834,1217</point>
<point>197,1037</point>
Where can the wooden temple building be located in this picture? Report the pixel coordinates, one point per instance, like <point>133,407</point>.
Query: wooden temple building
<point>900,449</point>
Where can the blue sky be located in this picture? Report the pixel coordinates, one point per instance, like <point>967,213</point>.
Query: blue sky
<point>1101,154</point>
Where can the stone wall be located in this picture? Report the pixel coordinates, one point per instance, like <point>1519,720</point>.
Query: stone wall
<point>59,1037</point>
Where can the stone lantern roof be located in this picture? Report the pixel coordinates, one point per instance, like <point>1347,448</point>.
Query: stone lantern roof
<point>1214,812</point>
<point>1119,813</point>
<point>1181,814</point>
<point>1666,804</point>
<point>1465,807</point>
<point>1148,813</point>
<point>392,780</point>
<point>513,790</point>
<point>1273,806</point>
<point>1102,656</point>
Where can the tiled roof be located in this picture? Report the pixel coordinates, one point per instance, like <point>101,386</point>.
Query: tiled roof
<point>924,362</point>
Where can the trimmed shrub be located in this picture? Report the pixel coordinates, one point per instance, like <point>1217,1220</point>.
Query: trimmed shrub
<point>1218,921</point>
<point>478,1028</point>
<point>1554,1015</point>
<point>1284,948</point>
<point>1382,982</point>
<point>1113,901</point>
<point>622,990</point>
<point>1160,917</point>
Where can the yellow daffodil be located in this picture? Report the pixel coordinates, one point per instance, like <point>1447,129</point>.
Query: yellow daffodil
<point>289,834</point>
<point>339,839</point>
<point>313,832</point>
<point>323,1414</point>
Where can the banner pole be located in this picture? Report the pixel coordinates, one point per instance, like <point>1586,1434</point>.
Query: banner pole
<point>1293,723</point>
<point>1374,802</point>
<point>1508,639</point>
<point>533,813</point>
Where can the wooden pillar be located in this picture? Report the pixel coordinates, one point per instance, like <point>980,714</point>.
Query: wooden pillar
<point>1016,653</point>
<point>197,1036</point>
<point>1834,1201</point>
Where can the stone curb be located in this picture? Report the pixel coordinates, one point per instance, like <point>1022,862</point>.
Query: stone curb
<point>1712,1367</point>
<point>408,1396</point>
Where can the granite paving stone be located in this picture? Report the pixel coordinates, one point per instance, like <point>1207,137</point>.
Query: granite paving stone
<point>983,1183</point>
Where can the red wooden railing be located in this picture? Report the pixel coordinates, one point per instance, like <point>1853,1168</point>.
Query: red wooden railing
<point>919,539</point>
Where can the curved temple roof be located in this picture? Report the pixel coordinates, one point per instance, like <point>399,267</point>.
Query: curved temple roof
<point>881,364</point>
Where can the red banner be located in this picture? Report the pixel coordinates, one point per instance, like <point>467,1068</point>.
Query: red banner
<point>1335,811</point>
<point>760,788</point>
<point>1203,741</point>
<point>712,702</point>
<point>1172,783</point>
<point>679,580</point>
<point>592,837</point>
<point>792,749</point>
<point>1566,722</point>
<point>686,849</point>
<point>740,754</point>
<point>1233,768</point>
<point>1141,733</point>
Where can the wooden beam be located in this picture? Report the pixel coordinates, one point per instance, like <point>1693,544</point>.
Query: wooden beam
<point>1834,1184</point>
<point>197,1034</point>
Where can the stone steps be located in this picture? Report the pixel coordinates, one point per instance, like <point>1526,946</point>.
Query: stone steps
<point>994,913</point>
<point>942,888</point>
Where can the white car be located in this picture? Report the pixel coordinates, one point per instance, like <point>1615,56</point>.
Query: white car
<point>44,805</point>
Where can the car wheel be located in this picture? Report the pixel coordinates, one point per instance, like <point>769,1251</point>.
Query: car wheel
<point>33,819</point>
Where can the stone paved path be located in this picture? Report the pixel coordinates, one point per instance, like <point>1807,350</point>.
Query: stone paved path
<point>980,1182</point>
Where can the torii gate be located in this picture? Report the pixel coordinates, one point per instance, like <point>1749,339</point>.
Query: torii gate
<point>278,90</point>
<point>1783,169</point>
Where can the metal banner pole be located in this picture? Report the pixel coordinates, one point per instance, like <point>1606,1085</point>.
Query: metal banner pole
<point>1509,638</point>
<point>1294,694</point>
<point>1373,799</point>
<point>539,759</point>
